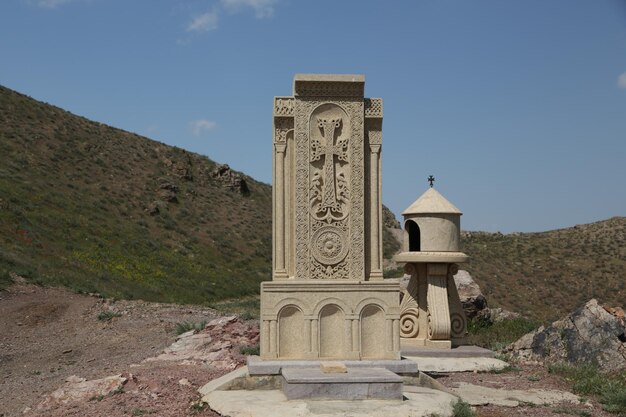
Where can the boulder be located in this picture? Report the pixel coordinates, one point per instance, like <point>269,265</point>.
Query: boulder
<point>590,335</point>
<point>472,298</point>
<point>80,390</point>
<point>496,315</point>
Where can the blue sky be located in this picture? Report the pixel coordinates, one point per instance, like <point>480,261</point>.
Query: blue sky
<point>518,108</point>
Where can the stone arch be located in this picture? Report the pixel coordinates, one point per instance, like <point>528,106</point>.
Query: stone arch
<point>371,300</point>
<point>291,332</point>
<point>372,332</point>
<point>331,300</point>
<point>412,230</point>
<point>332,331</point>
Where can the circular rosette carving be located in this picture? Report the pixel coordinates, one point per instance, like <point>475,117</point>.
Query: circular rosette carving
<point>453,269</point>
<point>329,246</point>
<point>409,323</point>
<point>457,325</point>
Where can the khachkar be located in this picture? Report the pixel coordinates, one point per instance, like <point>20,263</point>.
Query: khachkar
<point>327,297</point>
<point>431,313</point>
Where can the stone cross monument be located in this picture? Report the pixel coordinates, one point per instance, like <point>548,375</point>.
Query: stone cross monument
<point>327,297</point>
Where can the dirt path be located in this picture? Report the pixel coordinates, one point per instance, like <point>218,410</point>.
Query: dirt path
<point>49,334</point>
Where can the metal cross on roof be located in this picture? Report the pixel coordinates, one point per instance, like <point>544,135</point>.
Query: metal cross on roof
<point>431,179</point>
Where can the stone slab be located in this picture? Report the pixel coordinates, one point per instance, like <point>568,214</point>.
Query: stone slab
<point>434,257</point>
<point>356,384</point>
<point>257,366</point>
<point>224,380</point>
<point>313,375</point>
<point>455,352</point>
<point>333,367</point>
<point>479,395</point>
<point>448,365</point>
<point>421,403</point>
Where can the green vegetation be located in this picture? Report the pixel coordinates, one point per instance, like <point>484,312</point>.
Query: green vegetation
<point>520,271</point>
<point>197,407</point>
<point>249,350</point>
<point>186,326</point>
<point>609,389</point>
<point>571,411</point>
<point>462,409</point>
<point>247,308</point>
<point>108,315</point>
<point>82,205</point>
<point>496,336</point>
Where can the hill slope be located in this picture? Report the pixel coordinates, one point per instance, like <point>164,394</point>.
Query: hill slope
<point>546,275</point>
<point>95,208</point>
<point>98,209</point>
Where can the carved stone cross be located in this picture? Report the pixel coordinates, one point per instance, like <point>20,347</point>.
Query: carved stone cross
<point>329,150</point>
<point>431,179</point>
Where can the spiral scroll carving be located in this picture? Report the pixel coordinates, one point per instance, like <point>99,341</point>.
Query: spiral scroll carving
<point>409,311</point>
<point>409,323</point>
<point>457,325</point>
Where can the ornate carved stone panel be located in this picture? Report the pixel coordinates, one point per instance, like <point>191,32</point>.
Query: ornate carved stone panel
<point>329,189</point>
<point>327,209</point>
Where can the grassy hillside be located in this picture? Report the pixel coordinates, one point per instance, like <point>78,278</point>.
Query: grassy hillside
<point>95,208</point>
<point>546,275</point>
<point>98,209</point>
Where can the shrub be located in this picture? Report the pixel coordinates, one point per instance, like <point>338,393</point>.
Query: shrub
<point>108,315</point>
<point>462,409</point>
<point>186,326</point>
<point>249,350</point>
<point>496,336</point>
<point>610,389</point>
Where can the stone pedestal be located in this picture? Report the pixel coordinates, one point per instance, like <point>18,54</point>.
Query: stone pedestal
<point>431,313</point>
<point>356,384</point>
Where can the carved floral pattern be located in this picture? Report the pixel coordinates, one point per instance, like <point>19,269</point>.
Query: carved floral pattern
<point>282,126</point>
<point>374,107</point>
<point>283,106</point>
<point>329,245</point>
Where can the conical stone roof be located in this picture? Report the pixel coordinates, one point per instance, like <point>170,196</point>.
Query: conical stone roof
<point>431,202</point>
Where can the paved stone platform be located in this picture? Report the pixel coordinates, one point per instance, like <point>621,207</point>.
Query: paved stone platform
<point>355,384</point>
<point>422,402</point>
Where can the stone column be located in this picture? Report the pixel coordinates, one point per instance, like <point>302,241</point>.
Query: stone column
<point>279,211</point>
<point>315,342</point>
<point>376,272</point>
<point>273,339</point>
<point>437,299</point>
<point>355,335</point>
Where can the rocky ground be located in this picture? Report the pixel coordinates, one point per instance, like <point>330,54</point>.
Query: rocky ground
<point>51,335</point>
<point>57,358</point>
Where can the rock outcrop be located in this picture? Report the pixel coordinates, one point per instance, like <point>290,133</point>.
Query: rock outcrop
<point>590,335</point>
<point>472,298</point>
<point>230,179</point>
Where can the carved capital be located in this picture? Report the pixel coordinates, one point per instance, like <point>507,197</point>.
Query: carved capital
<point>280,147</point>
<point>283,106</point>
<point>373,108</point>
<point>375,148</point>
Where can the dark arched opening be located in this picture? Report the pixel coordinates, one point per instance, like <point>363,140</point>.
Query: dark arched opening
<point>414,236</point>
